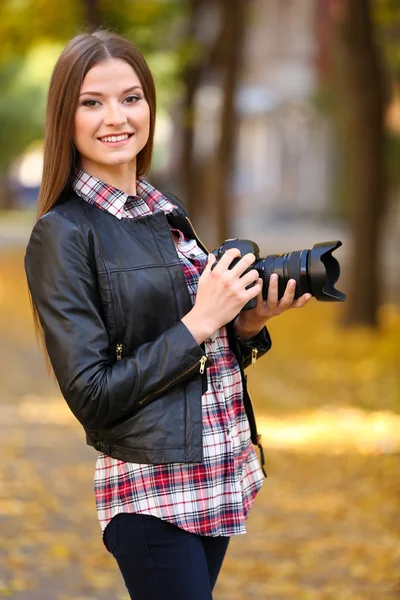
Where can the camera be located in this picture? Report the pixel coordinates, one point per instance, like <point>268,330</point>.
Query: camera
<point>315,271</point>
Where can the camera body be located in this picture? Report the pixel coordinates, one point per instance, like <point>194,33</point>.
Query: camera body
<point>245,247</point>
<point>315,271</point>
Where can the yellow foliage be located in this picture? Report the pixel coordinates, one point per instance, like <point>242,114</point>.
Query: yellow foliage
<point>314,362</point>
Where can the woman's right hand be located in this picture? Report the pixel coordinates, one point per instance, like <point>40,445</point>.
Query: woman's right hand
<point>221,293</point>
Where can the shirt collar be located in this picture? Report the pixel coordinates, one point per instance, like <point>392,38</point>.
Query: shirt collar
<point>95,191</point>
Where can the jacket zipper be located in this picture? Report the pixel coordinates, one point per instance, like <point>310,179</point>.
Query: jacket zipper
<point>202,366</point>
<point>196,236</point>
<point>254,352</point>
<point>119,351</point>
<point>204,358</point>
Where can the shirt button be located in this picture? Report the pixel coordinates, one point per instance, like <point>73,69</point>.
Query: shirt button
<point>192,255</point>
<point>228,431</point>
<point>219,386</point>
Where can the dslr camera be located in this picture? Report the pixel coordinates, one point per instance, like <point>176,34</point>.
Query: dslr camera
<point>315,271</point>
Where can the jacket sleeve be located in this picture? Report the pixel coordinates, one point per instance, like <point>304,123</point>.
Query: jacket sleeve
<point>252,349</point>
<point>61,276</point>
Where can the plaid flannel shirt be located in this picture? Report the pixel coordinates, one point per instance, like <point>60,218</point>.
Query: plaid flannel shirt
<point>210,498</point>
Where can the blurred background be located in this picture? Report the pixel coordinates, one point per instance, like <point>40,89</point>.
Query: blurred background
<point>278,121</point>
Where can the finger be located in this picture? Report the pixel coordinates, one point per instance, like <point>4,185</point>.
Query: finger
<point>272,297</point>
<point>260,300</point>
<point>226,259</point>
<point>260,307</point>
<point>249,278</point>
<point>254,291</point>
<point>210,261</point>
<point>288,297</point>
<point>302,301</point>
<point>244,263</point>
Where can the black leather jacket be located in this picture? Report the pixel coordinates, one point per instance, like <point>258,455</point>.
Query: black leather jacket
<point>110,295</point>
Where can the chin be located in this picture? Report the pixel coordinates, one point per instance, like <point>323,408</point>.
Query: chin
<point>116,160</point>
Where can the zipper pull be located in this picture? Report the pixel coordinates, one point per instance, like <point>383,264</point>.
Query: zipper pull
<point>254,353</point>
<point>119,351</point>
<point>202,364</point>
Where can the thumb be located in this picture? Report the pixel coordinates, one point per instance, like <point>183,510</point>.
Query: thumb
<point>210,261</point>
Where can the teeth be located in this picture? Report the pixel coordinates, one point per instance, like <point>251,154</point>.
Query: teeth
<point>115,138</point>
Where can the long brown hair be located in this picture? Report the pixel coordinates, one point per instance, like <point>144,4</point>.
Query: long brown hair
<point>78,57</point>
<point>60,156</point>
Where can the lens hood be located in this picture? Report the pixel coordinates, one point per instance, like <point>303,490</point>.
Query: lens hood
<point>324,271</point>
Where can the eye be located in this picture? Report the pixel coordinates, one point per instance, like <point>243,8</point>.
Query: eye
<point>90,103</point>
<point>132,99</point>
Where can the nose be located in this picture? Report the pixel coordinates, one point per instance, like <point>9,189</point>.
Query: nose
<point>114,114</point>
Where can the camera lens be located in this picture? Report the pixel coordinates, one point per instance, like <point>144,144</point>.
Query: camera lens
<point>315,272</point>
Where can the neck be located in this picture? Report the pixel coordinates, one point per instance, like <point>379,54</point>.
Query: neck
<point>122,177</point>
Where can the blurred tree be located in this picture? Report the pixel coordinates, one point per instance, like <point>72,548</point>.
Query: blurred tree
<point>196,60</point>
<point>21,102</point>
<point>92,13</point>
<point>201,61</point>
<point>216,59</point>
<point>386,14</point>
<point>363,98</point>
<point>147,23</point>
<point>233,27</point>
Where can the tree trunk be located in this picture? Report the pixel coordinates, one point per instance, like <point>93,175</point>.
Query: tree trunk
<point>7,196</point>
<point>363,99</point>
<point>191,79</point>
<point>92,13</point>
<point>206,183</point>
<point>233,24</point>
<point>193,172</point>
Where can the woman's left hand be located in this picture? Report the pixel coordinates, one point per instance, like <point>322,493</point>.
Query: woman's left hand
<point>250,322</point>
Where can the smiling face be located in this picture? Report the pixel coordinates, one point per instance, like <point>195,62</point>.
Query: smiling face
<point>112,118</point>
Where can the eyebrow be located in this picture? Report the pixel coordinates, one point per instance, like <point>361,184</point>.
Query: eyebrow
<point>134,87</point>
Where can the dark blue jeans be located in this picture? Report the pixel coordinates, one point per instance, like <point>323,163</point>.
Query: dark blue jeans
<point>160,561</point>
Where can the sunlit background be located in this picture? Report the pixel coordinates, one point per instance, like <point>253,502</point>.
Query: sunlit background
<point>278,121</point>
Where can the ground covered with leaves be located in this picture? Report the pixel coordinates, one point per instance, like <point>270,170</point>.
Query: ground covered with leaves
<point>326,524</point>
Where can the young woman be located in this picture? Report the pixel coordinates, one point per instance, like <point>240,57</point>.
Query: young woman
<point>147,342</point>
